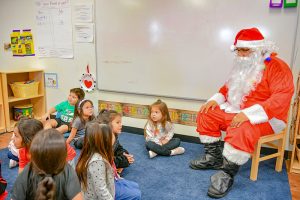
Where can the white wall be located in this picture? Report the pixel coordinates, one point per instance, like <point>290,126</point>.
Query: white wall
<point>19,14</point>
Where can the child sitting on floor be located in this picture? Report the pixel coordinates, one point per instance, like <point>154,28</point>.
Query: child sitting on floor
<point>48,176</point>
<point>66,110</point>
<point>122,158</point>
<point>159,131</point>
<point>83,114</point>
<point>24,132</point>
<point>96,169</point>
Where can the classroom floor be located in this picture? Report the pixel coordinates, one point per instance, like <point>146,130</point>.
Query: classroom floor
<point>294,179</point>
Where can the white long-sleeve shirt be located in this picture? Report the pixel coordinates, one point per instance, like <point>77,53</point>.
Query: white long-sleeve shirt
<point>154,134</point>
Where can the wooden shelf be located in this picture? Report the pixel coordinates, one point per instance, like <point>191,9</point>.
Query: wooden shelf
<point>2,110</point>
<point>296,166</point>
<point>298,136</point>
<point>9,101</point>
<point>15,99</point>
<point>13,122</point>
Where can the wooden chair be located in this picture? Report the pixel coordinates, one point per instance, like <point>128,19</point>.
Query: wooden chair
<point>268,140</point>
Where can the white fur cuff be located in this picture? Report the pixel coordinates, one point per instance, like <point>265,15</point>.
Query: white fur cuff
<point>256,114</point>
<point>234,155</point>
<point>218,97</point>
<point>208,139</point>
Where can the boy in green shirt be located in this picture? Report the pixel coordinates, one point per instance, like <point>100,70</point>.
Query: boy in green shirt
<point>66,110</point>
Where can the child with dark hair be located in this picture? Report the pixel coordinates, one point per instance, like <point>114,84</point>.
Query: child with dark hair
<point>96,169</point>
<point>122,158</point>
<point>24,132</point>
<point>50,178</point>
<point>83,114</point>
<point>66,111</point>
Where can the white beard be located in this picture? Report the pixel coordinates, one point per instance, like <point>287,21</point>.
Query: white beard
<point>244,77</point>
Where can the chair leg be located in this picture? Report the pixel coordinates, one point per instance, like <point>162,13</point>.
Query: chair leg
<point>255,162</point>
<point>279,160</point>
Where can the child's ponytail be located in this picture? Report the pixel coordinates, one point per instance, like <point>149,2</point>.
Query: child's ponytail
<point>46,189</point>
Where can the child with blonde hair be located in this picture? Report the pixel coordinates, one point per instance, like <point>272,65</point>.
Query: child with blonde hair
<point>159,131</point>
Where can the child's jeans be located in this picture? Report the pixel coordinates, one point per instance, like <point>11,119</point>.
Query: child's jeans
<point>12,156</point>
<point>13,152</point>
<point>127,190</point>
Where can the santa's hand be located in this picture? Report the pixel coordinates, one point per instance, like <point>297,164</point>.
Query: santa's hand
<point>238,119</point>
<point>210,104</point>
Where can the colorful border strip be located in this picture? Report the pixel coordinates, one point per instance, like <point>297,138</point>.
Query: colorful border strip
<point>185,117</point>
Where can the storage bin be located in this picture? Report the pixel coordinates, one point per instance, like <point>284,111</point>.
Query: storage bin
<point>24,89</point>
<point>22,110</point>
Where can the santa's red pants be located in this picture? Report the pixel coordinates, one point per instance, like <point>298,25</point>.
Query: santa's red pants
<point>242,138</point>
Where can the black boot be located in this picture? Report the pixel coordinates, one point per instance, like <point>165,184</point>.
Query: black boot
<point>212,159</point>
<point>222,181</point>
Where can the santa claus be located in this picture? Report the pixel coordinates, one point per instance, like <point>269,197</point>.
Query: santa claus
<point>253,102</point>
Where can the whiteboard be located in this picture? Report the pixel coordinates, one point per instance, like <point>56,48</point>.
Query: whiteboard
<point>179,48</point>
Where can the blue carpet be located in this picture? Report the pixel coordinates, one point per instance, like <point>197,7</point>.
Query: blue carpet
<point>170,178</point>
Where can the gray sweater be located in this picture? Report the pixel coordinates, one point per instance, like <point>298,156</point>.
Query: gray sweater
<point>100,180</point>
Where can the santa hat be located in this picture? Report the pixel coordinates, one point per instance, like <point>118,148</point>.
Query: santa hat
<point>248,38</point>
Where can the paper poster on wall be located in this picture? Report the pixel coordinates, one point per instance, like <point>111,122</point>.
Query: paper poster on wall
<point>83,12</point>
<point>54,29</point>
<point>22,43</point>
<point>51,80</point>
<point>84,32</point>
<point>14,41</point>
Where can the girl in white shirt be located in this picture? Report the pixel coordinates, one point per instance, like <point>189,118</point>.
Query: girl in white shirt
<point>159,131</point>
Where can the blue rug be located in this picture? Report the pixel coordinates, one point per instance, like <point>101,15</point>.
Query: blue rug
<point>170,178</point>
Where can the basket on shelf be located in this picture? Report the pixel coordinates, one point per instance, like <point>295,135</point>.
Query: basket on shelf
<point>25,89</point>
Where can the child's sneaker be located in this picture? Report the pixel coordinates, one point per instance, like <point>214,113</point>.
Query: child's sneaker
<point>152,154</point>
<point>12,163</point>
<point>177,151</point>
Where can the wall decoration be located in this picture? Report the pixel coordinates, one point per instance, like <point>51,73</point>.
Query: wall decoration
<point>22,43</point>
<point>185,117</point>
<point>290,3</point>
<point>275,3</point>
<point>15,43</point>
<point>51,80</point>
<point>87,81</point>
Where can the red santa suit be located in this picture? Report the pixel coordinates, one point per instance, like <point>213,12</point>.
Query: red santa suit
<point>266,108</point>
